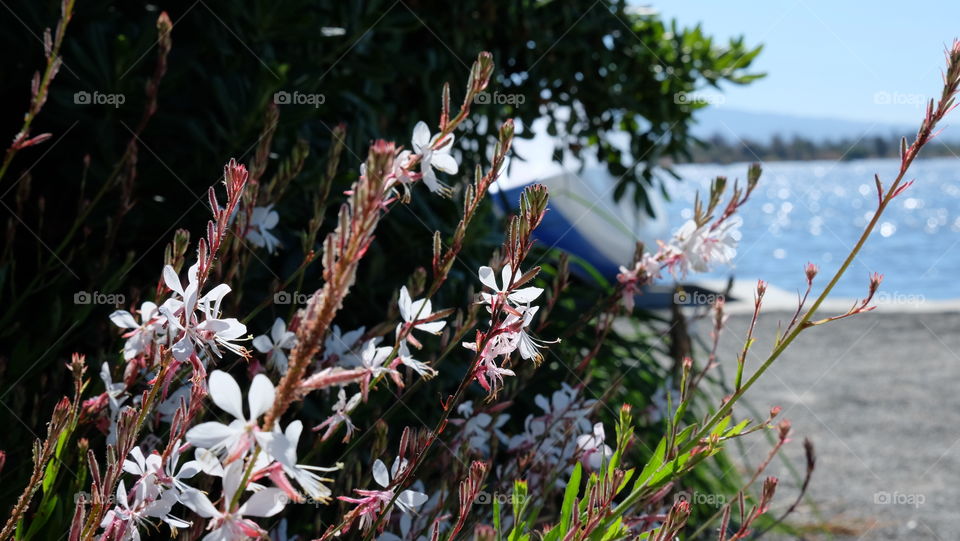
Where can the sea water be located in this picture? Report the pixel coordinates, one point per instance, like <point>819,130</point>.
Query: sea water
<point>815,211</point>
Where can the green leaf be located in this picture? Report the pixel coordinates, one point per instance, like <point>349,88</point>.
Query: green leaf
<point>42,515</point>
<point>569,496</point>
<point>737,429</point>
<point>654,462</point>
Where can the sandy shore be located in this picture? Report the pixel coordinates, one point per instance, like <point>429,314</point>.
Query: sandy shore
<point>879,395</point>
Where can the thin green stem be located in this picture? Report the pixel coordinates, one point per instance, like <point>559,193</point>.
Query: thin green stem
<point>781,346</point>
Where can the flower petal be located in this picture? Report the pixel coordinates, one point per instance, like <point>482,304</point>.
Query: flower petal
<point>232,476</point>
<point>445,162</point>
<point>270,220</point>
<point>210,434</point>
<point>183,349</point>
<point>263,344</point>
<point>199,503</point>
<point>506,274</point>
<point>216,294</point>
<point>404,303</point>
<point>226,393</point>
<point>525,295</point>
<point>260,396</point>
<point>123,319</point>
<point>421,136</point>
<point>433,327</point>
<point>225,329</point>
<point>172,280</point>
<point>380,474</point>
<point>278,330</point>
<point>420,309</point>
<point>266,503</point>
<point>488,278</point>
<point>412,499</point>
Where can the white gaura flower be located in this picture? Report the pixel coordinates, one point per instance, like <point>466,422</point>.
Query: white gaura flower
<point>644,272</point>
<point>477,428</point>
<point>210,333</point>
<point>208,462</point>
<point>564,412</point>
<point>431,158</point>
<point>371,361</point>
<point>489,374</point>
<point>215,330</point>
<point>237,438</point>
<point>116,395</point>
<point>159,475</point>
<point>593,451</point>
<point>229,524</point>
<point>528,346</point>
<point>371,502</point>
<point>524,295</point>
<point>262,220</point>
<point>148,469</point>
<point>175,475</point>
<point>720,244</point>
<point>168,407</point>
<point>283,449</point>
<point>341,415</point>
<point>373,357</point>
<point>409,500</point>
<point>341,347</point>
<point>141,335</point>
<point>421,522</point>
<point>417,313</point>
<point>280,339</point>
<point>188,294</point>
<point>700,248</point>
<point>400,167</point>
<point>128,515</point>
<point>405,358</point>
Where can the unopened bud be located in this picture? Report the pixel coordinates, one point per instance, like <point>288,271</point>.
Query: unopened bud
<point>761,288</point>
<point>875,280</point>
<point>769,487</point>
<point>784,428</point>
<point>811,271</point>
<point>753,175</point>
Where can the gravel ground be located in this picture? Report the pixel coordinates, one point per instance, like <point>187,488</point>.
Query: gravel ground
<point>878,394</point>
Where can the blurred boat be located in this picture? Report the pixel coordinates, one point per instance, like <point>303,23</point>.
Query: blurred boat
<point>583,218</point>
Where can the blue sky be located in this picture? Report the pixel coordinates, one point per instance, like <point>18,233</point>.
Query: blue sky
<point>862,60</point>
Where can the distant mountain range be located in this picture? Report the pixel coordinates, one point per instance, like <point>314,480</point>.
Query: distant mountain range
<point>731,123</point>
